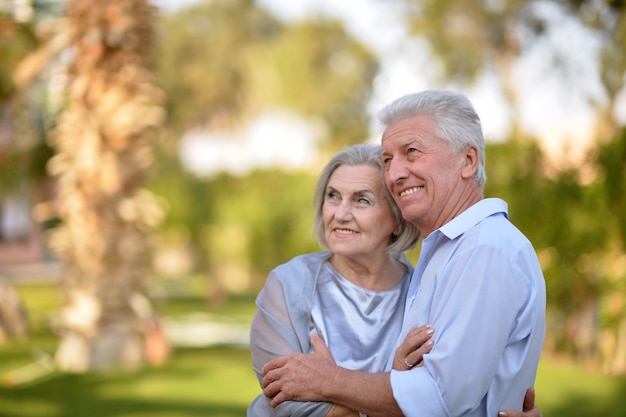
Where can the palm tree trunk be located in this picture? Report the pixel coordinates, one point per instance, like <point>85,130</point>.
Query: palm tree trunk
<point>103,145</point>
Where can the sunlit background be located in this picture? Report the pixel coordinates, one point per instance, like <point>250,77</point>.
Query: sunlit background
<point>158,159</point>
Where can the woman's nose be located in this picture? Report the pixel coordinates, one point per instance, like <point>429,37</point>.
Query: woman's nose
<point>344,211</point>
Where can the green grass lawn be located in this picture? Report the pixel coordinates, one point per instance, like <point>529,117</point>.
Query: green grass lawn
<point>218,381</point>
<point>210,381</point>
<point>565,389</point>
<point>195,382</point>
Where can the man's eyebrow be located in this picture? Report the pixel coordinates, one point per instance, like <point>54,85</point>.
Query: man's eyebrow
<point>403,145</point>
<point>410,142</point>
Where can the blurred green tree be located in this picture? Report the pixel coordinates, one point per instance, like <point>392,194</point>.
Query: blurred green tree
<point>489,37</point>
<point>224,62</point>
<point>17,158</point>
<point>611,165</point>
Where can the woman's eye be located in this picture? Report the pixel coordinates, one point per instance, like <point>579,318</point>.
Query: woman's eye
<point>364,200</point>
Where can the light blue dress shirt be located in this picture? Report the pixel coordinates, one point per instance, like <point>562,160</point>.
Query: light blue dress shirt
<point>478,282</point>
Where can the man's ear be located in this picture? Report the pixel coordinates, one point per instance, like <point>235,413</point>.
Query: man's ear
<point>470,161</point>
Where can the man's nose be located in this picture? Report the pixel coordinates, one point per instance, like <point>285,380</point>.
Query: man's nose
<point>397,170</point>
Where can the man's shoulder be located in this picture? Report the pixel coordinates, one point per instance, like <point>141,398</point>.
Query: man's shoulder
<point>501,226</point>
<point>474,216</point>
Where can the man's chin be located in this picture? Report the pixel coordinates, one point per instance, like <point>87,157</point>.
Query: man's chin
<point>411,216</point>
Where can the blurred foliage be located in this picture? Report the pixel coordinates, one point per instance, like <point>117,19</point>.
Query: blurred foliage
<point>264,217</point>
<point>576,222</point>
<point>316,69</point>
<point>224,62</point>
<point>199,61</point>
<point>612,177</point>
<point>477,33</point>
<point>16,41</point>
<point>486,37</point>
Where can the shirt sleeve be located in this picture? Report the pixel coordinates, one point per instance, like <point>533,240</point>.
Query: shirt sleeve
<point>476,308</point>
<point>273,334</point>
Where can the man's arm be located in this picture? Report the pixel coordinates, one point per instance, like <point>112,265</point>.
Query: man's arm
<point>316,377</point>
<point>472,306</point>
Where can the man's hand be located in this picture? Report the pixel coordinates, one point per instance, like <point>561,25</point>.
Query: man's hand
<point>299,376</point>
<point>530,409</point>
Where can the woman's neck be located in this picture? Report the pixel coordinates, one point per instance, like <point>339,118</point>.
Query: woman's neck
<point>373,273</point>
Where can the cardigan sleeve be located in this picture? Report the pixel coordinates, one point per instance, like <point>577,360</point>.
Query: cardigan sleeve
<point>274,332</point>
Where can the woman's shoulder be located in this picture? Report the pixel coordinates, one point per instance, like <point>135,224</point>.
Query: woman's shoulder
<point>402,258</point>
<point>302,264</point>
<point>298,276</point>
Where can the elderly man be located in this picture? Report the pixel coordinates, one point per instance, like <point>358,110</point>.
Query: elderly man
<point>478,281</point>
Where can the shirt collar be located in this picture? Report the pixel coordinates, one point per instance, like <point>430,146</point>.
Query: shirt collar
<point>474,215</point>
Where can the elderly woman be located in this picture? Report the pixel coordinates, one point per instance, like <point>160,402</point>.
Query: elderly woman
<point>353,294</point>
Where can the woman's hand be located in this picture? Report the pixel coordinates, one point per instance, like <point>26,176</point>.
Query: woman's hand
<point>529,407</point>
<point>415,345</point>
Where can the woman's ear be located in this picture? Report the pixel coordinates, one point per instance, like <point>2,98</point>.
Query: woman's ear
<point>396,231</point>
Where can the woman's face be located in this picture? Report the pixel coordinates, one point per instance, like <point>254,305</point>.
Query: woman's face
<point>357,217</point>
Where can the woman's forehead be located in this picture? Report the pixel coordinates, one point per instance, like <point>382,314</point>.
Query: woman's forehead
<point>358,176</point>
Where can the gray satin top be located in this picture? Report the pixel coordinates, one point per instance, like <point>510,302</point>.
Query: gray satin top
<point>360,326</point>
<point>305,296</point>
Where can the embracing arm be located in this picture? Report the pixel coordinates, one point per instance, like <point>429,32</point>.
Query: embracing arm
<point>274,333</point>
<point>316,377</point>
<point>410,354</point>
<point>484,313</point>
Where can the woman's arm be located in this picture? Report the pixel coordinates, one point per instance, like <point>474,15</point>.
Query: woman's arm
<point>411,351</point>
<point>274,333</point>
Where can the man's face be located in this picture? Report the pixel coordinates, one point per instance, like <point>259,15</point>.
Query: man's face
<point>421,172</point>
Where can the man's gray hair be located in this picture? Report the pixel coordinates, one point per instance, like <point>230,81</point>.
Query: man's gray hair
<point>456,121</point>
